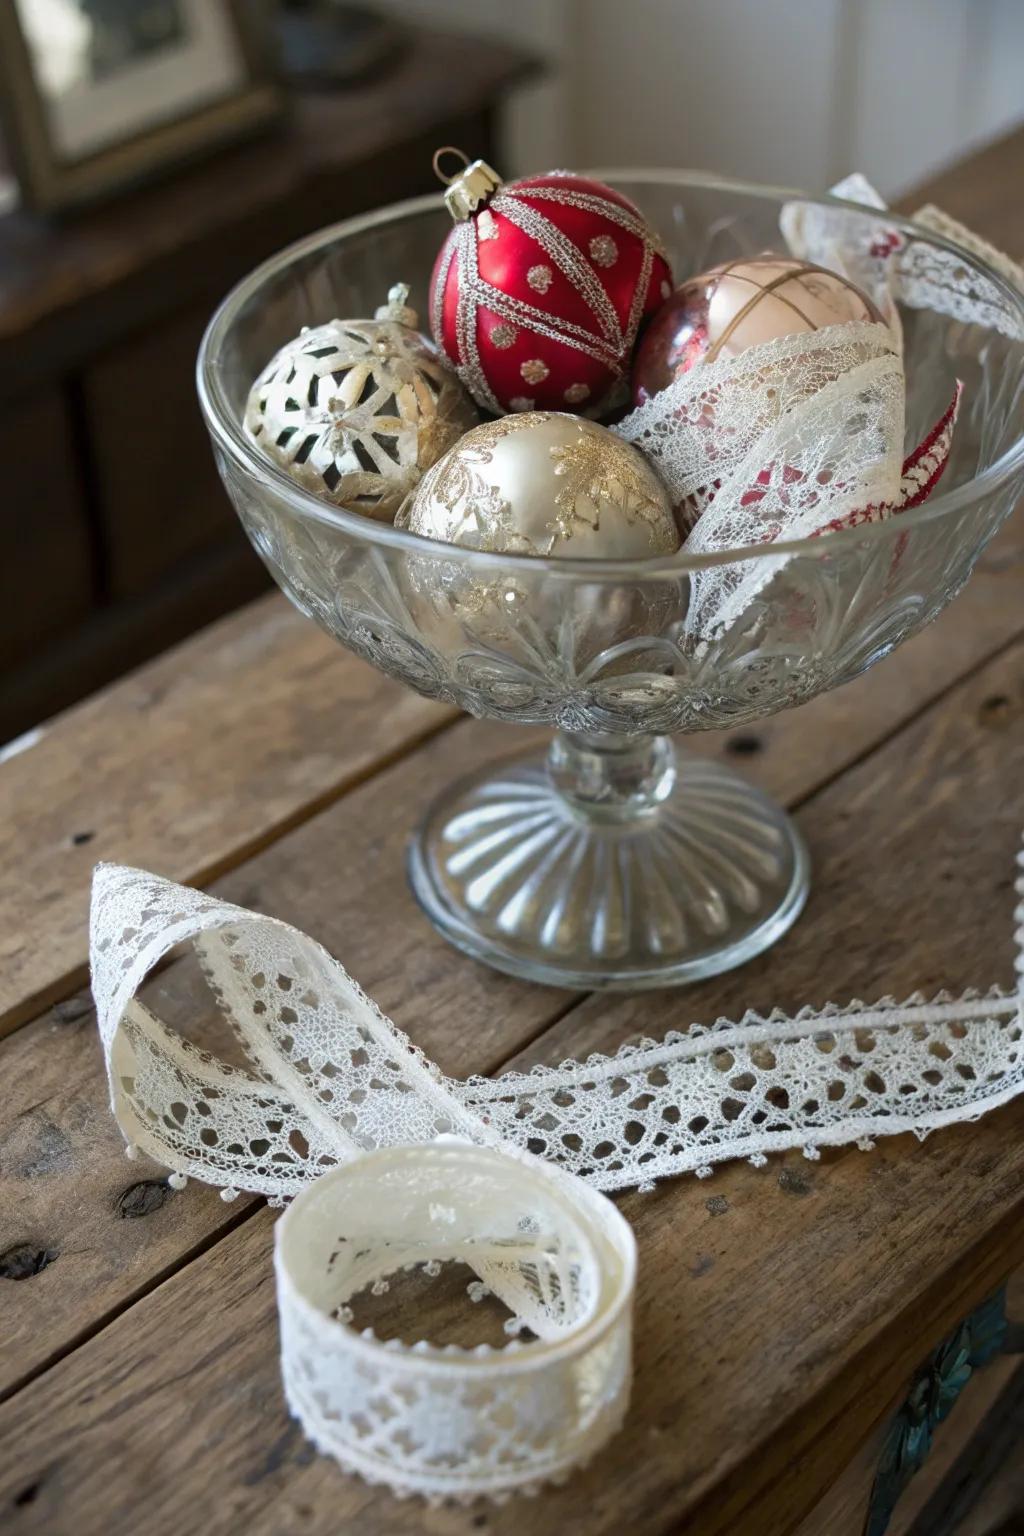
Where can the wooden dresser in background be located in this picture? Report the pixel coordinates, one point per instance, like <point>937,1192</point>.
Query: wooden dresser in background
<point>116,538</point>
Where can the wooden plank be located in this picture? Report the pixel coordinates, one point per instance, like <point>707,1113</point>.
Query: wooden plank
<point>774,1326</point>
<point>332,720</point>
<point>341,877</point>
<point>974,190</point>
<point>185,767</point>
<point>99,650</point>
<point>72,1203</point>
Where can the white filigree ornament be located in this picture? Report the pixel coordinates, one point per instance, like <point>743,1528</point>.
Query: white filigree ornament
<point>396,1165</point>
<point>357,410</point>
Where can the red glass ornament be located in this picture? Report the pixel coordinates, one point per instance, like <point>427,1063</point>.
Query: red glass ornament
<point>738,305</point>
<point>540,289</point>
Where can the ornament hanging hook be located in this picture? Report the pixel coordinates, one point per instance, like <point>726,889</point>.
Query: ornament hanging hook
<point>449,149</point>
<point>472,185</point>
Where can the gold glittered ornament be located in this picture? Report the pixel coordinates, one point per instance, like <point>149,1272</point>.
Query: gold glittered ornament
<point>540,484</point>
<point>545,483</point>
<point>356,411</point>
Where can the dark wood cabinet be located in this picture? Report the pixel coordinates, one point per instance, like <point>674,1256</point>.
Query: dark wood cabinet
<point>47,576</point>
<point>160,504</point>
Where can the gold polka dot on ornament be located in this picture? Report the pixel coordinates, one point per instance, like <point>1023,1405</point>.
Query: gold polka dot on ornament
<point>534,371</point>
<point>603,251</point>
<point>520,403</point>
<point>576,394</point>
<point>503,336</point>
<point>539,278</point>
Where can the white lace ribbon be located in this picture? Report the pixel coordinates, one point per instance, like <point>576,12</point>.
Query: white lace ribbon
<point>339,1108</point>
<point>805,434</point>
<point>780,441</point>
<point>331,1078</point>
<point>890,265</point>
<point>453,1423</point>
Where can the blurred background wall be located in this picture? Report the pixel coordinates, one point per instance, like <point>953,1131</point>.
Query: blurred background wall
<point>794,91</point>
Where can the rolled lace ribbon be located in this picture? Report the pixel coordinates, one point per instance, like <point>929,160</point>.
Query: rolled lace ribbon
<point>452,1423</point>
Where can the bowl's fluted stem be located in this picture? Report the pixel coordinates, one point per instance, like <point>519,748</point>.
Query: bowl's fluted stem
<point>612,778</point>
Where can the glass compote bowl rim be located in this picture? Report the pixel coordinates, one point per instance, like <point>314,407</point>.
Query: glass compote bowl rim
<point>223,422</point>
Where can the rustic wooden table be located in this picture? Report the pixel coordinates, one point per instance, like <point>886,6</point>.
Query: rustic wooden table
<point>781,1311</point>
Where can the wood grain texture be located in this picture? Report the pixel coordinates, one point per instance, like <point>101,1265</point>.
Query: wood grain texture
<point>975,192</point>
<point>185,767</point>
<point>199,591</point>
<point>771,1336</point>
<point>296,719</point>
<point>340,876</point>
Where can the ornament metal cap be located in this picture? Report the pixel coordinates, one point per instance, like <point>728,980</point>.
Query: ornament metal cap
<point>469,189</point>
<point>396,308</point>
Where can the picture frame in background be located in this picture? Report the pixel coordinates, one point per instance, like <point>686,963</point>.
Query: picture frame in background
<point>99,94</point>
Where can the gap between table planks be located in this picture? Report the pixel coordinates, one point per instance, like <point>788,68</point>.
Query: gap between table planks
<point>339,876</point>
<point>769,1337</point>
<point>276,722</point>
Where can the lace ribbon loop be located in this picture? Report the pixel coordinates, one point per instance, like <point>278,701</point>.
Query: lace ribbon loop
<point>454,1423</point>
<point>331,1078</point>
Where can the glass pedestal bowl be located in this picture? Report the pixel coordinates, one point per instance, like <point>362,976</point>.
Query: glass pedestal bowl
<point>613,861</point>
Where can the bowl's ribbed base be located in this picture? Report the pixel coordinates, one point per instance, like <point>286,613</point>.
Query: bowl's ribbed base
<point>515,876</point>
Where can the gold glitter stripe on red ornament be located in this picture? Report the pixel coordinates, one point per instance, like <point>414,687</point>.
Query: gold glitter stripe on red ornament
<point>468,367</point>
<point>590,202</point>
<point>636,309</point>
<point>524,315</point>
<point>569,260</point>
